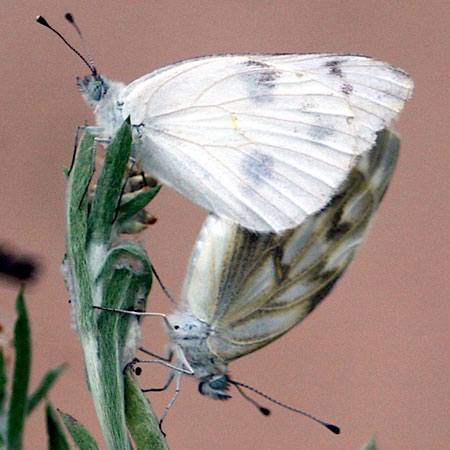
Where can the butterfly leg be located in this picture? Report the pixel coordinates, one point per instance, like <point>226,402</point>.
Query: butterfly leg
<point>163,363</point>
<point>172,401</point>
<point>168,382</point>
<point>135,313</point>
<point>167,358</point>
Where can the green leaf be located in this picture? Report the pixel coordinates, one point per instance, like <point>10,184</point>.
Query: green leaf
<point>142,423</point>
<point>132,204</point>
<point>371,445</point>
<point>109,185</point>
<point>126,253</point>
<point>56,438</point>
<point>80,175</point>
<point>76,231</point>
<point>44,386</point>
<point>81,436</point>
<point>21,376</point>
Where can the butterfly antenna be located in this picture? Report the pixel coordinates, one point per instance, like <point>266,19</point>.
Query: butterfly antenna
<point>332,428</point>
<point>70,19</point>
<point>42,21</point>
<point>264,411</point>
<point>163,287</point>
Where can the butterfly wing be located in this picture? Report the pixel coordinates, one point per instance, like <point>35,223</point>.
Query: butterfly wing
<point>263,140</point>
<point>253,288</point>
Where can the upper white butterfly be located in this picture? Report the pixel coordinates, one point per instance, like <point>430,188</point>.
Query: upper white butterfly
<point>263,140</point>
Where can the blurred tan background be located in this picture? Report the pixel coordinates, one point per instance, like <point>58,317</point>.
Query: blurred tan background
<point>374,357</point>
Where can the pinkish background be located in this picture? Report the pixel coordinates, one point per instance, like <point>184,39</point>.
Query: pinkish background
<point>374,358</point>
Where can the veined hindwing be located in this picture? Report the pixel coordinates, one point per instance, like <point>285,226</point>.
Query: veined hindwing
<point>252,288</point>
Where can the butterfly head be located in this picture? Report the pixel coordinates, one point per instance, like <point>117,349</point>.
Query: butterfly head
<point>215,386</point>
<point>93,87</point>
<point>185,327</point>
<point>103,96</point>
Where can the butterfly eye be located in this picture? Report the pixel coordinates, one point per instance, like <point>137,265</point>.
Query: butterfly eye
<point>98,90</point>
<point>215,388</point>
<point>176,327</point>
<point>219,383</point>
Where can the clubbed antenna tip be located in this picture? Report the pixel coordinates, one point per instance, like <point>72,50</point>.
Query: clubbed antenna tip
<point>333,428</point>
<point>42,21</point>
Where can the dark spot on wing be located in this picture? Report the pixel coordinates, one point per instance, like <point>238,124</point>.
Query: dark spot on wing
<point>261,80</point>
<point>334,67</point>
<point>347,88</point>
<point>254,63</point>
<point>319,132</point>
<point>338,229</point>
<point>267,77</point>
<point>336,71</point>
<point>138,128</point>
<point>258,166</point>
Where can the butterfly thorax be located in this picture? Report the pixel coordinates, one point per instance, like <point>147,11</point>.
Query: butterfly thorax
<point>104,97</point>
<point>189,338</point>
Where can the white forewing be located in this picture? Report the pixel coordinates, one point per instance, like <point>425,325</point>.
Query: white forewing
<point>262,140</point>
<point>251,288</point>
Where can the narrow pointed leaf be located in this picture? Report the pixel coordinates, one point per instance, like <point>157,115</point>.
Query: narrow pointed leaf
<point>133,204</point>
<point>21,376</point>
<point>44,386</point>
<point>81,436</point>
<point>56,438</point>
<point>80,174</point>
<point>76,230</point>
<point>109,185</point>
<point>142,422</point>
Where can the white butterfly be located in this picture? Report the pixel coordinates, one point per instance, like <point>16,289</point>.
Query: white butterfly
<point>262,140</point>
<point>243,289</point>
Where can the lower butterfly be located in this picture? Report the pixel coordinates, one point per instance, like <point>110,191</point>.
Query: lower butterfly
<point>243,289</point>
